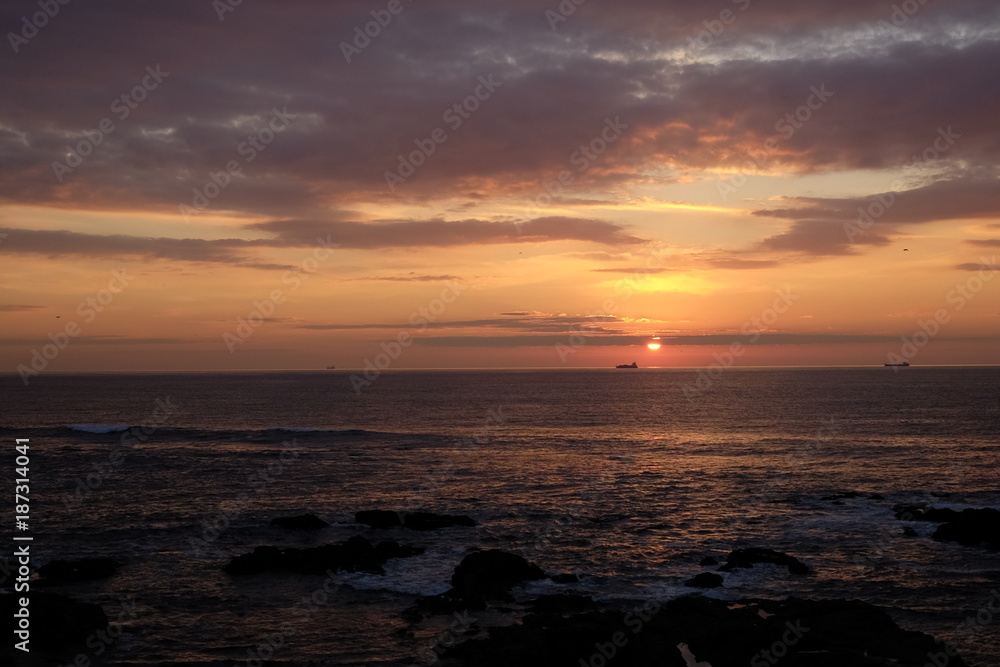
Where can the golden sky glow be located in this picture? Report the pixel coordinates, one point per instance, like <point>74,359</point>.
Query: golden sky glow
<point>558,198</point>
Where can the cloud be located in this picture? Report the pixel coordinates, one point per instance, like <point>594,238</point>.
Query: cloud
<point>973,266</point>
<point>685,108</point>
<point>539,323</point>
<point>406,279</point>
<point>636,271</point>
<point>18,308</point>
<point>694,340</point>
<point>112,340</point>
<point>735,263</point>
<point>969,197</point>
<point>820,238</point>
<point>59,243</point>
<point>293,233</point>
<point>443,233</point>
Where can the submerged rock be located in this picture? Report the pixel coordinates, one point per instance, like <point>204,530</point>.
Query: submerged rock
<point>841,495</point>
<point>702,631</point>
<point>302,522</point>
<point>971,527</point>
<point>387,549</point>
<point>355,555</point>
<point>746,558</point>
<point>491,574</point>
<point>412,520</point>
<point>60,572</point>
<point>481,577</point>
<point>705,580</point>
<point>379,518</point>
<point>563,604</point>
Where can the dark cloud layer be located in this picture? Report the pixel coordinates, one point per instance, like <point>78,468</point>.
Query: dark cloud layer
<point>697,340</point>
<point>294,233</point>
<point>556,91</point>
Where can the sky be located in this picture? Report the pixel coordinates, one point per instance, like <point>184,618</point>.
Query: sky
<point>198,185</point>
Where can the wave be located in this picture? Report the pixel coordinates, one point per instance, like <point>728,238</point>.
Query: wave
<point>143,433</point>
<point>98,428</point>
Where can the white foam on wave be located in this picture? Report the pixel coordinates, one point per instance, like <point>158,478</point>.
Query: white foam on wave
<point>98,428</point>
<point>427,574</point>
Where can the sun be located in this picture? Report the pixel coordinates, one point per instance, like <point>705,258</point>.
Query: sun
<point>654,344</point>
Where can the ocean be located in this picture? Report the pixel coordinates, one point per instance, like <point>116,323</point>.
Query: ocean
<point>622,477</point>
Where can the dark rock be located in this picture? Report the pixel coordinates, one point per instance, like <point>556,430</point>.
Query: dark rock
<point>841,495</point>
<point>835,633</point>
<point>429,521</point>
<point>445,604</point>
<point>387,549</point>
<point>923,512</point>
<point>412,520</point>
<point>745,558</point>
<point>563,604</point>
<point>708,561</point>
<point>971,527</point>
<point>876,496</point>
<point>355,555</point>
<point>566,578</point>
<point>60,572</point>
<point>909,532</point>
<point>303,522</point>
<point>490,574</point>
<point>379,518</point>
<point>705,580</point>
<point>263,559</point>
<point>60,627</point>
